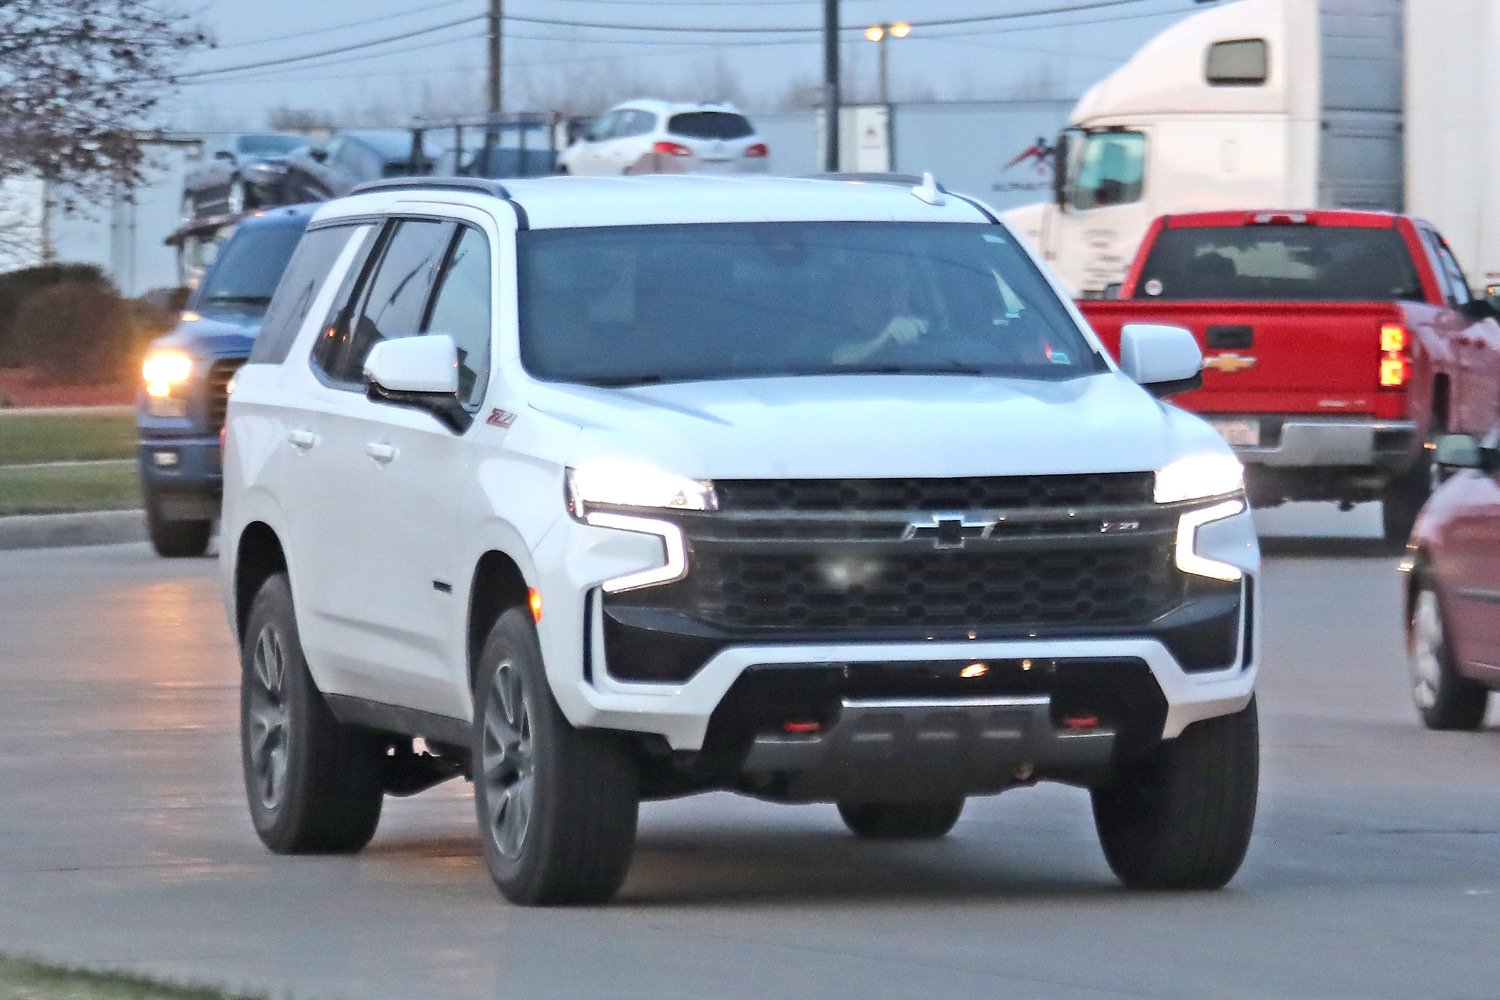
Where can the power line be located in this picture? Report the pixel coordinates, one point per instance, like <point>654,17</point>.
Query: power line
<point>342,26</point>
<point>303,57</point>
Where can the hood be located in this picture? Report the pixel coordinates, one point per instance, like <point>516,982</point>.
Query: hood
<point>223,335</point>
<point>877,426</point>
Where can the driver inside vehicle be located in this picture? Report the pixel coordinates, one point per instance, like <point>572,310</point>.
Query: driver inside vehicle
<point>880,312</point>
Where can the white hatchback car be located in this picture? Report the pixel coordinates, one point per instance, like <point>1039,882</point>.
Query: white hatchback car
<point>602,490</point>
<point>657,137</point>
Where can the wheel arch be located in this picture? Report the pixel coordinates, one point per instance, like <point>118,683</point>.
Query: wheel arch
<point>498,585</point>
<point>258,556</point>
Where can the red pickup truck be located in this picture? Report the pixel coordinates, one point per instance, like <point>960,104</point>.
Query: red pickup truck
<point>1337,347</point>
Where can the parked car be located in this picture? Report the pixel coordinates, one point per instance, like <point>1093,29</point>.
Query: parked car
<point>244,172</point>
<point>513,144</point>
<point>658,137</point>
<point>320,172</point>
<point>844,507</point>
<point>1453,588</point>
<point>186,376</point>
<point>1340,346</point>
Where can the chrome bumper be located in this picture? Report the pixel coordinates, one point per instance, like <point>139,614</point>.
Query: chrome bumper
<point>1326,443</point>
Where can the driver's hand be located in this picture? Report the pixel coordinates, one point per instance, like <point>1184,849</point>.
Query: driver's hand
<point>904,329</point>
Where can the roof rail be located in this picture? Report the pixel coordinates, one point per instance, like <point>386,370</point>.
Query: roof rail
<point>897,180</point>
<point>475,185</point>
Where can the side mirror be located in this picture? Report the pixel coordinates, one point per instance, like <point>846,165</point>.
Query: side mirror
<point>318,153</point>
<point>420,372</point>
<point>1060,170</point>
<point>1492,296</point>
<point>1479,309</point>
<point>1163,360</point>
<point>224,154</point>
<point>1459,451</point>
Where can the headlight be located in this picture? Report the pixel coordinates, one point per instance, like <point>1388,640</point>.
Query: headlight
<point>1199,476</point>
<point>163,370</point>
<point>629,484</point>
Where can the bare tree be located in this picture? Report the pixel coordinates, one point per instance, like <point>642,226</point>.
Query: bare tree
<point>79,83</point>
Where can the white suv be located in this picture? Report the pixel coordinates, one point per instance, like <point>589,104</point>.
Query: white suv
<point>595,491</point>
<point>657,137</point>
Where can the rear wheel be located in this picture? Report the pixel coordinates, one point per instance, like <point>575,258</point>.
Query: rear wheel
<point>1181,819</point>
<point>314,785</point>
<point>556,805</point>
<point>901,820</point>
<point>175,539</point>
<point>1444,700</point>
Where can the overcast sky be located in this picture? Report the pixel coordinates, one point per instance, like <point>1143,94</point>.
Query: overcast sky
<point>550,66</point>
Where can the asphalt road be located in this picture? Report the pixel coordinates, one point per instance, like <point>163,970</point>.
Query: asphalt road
<point>124,841</point>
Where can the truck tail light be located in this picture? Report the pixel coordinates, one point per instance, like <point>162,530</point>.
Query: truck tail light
<point>1395,368</point>
<point>671,149</point>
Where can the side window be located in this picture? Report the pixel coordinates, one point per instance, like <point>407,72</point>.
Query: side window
<point>392,301</point>
<point>605,127</point>
<point>1458,285</point>
<point>315,256</point>
<point>461,309</point>
<point>1111,170</point>
<point>636,123</point>
<point>1243,62</point>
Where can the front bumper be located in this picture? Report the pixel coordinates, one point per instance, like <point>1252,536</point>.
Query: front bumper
<point>183,475</point>
<point>572,635</point>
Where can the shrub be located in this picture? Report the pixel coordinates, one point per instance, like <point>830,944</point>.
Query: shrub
<point>17,286</point>
<point>75,332</point>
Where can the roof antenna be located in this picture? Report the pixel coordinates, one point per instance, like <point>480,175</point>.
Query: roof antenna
<point>929,191</point>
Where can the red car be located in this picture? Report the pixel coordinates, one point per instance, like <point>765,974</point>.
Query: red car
<point>1453,588</point>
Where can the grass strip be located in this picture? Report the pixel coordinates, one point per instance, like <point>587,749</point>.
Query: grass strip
<point>69,489</point>
<point>21,979</point>
<point>65,437</point>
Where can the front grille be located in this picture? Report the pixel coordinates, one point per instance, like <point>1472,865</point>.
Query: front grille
<point>973,493</point>
<point>219,374</point>
<point>929,589</point>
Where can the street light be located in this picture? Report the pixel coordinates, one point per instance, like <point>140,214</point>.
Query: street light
<point>879,33</point>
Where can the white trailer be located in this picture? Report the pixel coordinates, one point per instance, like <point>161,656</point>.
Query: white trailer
<point>1372,104</point>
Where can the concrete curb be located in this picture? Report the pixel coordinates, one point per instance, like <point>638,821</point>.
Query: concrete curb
<point>50,531</point>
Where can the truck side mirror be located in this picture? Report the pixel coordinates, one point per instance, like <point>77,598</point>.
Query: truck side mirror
<point>1060,170</point>
<point>420,372</point>
<point>1492,296</point>
<point>1163,360</point>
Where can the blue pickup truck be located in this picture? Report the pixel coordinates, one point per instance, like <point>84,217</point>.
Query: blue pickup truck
<point>187,373</point>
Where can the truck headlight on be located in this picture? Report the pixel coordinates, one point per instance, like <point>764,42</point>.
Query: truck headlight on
<point>1199,476</point>
<point>616,484</point>
<point>163,372</point>
<point>611,483</point>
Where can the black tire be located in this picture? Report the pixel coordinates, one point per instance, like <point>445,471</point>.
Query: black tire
<point>901,820</point>
<point>323,794</point>
<point>1403,500</point>
<point>556,806</point>
<point>1182,818</point>
<point>174,539</point>
<point>1444,699</point>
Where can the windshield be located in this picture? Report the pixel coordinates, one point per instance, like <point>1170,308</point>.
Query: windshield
<point>246,271</point>
<point>641,304</point>
<point>270,143</point>
<point>1289,263</point>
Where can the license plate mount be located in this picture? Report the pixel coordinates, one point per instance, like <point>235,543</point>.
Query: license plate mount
<point>1238,433</point>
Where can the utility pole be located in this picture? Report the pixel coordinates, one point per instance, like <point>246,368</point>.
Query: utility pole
<point>831,85</point>
<point>497,19</point>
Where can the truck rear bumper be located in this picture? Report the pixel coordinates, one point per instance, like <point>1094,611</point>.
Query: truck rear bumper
<point>1301,442</point>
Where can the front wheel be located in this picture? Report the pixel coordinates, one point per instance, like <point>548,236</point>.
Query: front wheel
<point>1181,819</point>
<point>176,539</point>
<point>556,805</point>
<point>1444,700</point>
<point>901,820</point>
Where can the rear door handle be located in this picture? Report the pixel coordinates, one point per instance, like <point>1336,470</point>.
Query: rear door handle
<point>302,440</point>
<point>380,451</point>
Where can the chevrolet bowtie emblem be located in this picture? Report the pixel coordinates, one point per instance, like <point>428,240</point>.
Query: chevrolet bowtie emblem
<point>1229,363</point>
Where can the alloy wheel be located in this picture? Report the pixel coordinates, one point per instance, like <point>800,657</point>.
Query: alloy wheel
<point>269,717</point>
<point>1427,650</point>
<point>507,763</point>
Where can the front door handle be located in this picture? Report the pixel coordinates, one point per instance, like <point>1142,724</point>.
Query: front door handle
<point>380,451</point>
<point>302,440</point>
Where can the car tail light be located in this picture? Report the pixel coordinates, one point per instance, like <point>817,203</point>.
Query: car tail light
<point>1395,368</point>
<point>758,149</point>
<point>671,149</point>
